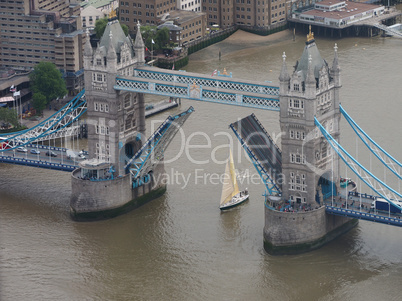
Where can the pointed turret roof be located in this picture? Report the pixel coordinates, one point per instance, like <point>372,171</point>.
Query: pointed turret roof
<point>310,77</point>
<point>114,29</point>
<point>88,51</point>
<point>111,53</point>
<point>335,63</point>
<point>317,61</point>
<point>139,43</point>
<point>284,71</point>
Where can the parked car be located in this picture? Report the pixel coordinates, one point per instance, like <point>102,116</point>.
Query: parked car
<point>35,151</point>
<point>51,154</point>
<point>22,149</point>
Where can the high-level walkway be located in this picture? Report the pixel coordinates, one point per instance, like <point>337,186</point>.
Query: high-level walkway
<point>217,89</point>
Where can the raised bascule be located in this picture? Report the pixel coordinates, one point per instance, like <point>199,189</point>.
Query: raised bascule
<point>303,192</point>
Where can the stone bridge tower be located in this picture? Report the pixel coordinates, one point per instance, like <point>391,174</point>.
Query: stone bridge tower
<point>309,168</point>
<point>312,90</point>
<point>101,187</point>
<point>116,119</point>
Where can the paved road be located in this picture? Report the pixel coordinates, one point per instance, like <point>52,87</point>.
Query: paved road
<point>61,156</point>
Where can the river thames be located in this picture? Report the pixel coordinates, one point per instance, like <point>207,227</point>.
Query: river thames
<point>180,246</point>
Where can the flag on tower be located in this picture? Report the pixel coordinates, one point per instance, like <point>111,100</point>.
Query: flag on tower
<point>214,73</point>
<point>12,89</point>
<point>173,67</point>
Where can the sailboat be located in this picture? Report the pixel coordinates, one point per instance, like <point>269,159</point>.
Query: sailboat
<point>231,195</point>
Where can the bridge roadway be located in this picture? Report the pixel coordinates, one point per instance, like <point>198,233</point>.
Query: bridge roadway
<point>365,214</point>
<point>359,206</point>
<point>218,89</point>
<point>41,160</point>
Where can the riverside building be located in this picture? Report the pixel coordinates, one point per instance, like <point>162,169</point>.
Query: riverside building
<point>260,13</point>
<point>35,31</point>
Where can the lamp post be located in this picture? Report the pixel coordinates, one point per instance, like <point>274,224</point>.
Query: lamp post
<point>19,94</point>
<point>152,52</point>
<point>15,105</point>
<point>19,110</point>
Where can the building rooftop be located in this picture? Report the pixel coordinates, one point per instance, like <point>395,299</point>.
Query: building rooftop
<point>72,34</point>
<point>183,16</point>
<point>170,26</point>
<point>10,77</point>
<point>350,9</point>
<point>95,3</point>
<point>114,34</point>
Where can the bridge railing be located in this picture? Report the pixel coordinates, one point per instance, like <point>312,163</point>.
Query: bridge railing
<point>171,76</point>
<point>395,221</point>
<point>36,163</point>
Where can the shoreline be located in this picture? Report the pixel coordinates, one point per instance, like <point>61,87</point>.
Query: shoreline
<point>242,36</point>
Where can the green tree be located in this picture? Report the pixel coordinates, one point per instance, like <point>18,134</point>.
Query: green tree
<point>100,26</point>
<point>125,29</point>
<point>48,81</point>
<point>8,115</point>
<point>162,37</point>
<point>39,102</point>
<point>148,33</point>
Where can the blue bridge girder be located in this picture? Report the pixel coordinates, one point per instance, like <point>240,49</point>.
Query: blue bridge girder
<point>218,89</point>
<point>378,186</point>
<point>153,149</point>
<point>372,217</point>
<point>386,159</point>
<point>60,124</point>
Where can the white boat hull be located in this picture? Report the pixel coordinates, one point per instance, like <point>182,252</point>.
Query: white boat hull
<point>236,200</point>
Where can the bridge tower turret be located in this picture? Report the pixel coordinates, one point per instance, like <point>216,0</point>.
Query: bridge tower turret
<point>139,47</point>
<point>312,90</point>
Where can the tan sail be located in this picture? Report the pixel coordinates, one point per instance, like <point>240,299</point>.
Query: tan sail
<point>230,187</point>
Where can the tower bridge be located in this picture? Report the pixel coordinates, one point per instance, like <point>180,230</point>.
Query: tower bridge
<point>122,170</point>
